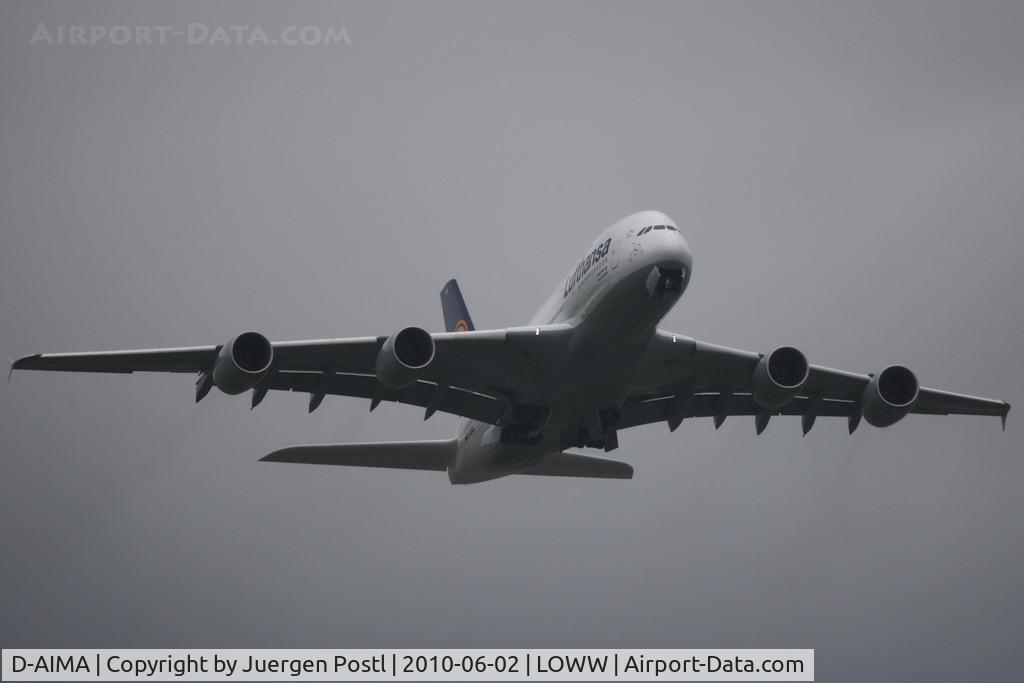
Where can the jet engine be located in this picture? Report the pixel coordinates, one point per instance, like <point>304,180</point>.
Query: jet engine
<point>404,357</point>
<point>889,396</point>
<point>778,377</point>
<point>242,362</point>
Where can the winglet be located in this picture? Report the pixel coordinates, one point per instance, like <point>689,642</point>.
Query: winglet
<point>1006,411</point>
<point>19,363</point>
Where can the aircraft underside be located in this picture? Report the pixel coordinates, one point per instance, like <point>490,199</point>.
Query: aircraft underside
<point>590,364</point>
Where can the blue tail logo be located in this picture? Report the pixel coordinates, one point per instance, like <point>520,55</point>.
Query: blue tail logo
<point>456,315</point>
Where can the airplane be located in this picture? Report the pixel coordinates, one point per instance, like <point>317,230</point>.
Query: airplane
<point>589,364</point>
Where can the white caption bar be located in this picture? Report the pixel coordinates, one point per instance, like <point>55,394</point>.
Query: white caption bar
<point>408,665</point>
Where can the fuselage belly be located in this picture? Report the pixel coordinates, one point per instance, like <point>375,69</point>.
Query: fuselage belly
<point>614,298</point>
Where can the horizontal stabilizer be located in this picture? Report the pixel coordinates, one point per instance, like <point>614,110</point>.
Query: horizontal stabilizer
<point>403,455</point>
<point>579,465</point>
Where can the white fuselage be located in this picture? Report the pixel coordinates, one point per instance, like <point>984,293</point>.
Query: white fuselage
<point>614,297</point>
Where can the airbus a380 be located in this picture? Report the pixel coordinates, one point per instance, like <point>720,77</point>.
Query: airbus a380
<point>590,364</point>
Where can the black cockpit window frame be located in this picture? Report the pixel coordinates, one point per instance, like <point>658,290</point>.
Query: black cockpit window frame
<point>644,231</point>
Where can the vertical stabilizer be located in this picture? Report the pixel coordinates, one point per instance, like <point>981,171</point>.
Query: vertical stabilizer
<point>456,315</point>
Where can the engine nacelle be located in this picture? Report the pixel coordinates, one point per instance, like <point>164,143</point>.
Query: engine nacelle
<point>778,377</point>
<point>404,357</point>
<point>889,396</point>
<point>242,362</point>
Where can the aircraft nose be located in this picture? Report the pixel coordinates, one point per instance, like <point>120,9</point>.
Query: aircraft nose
<point>673,245</point>
<point>682,246</point>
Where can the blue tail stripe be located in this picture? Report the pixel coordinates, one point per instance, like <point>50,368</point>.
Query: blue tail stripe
<point>456,315</point>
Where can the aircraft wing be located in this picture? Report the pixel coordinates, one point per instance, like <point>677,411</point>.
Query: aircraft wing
<point>353,354</point>
<point>477,374</point>
<point>684,377</point>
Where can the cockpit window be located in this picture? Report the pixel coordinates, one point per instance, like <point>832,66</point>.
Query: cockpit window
<point>644,231</point>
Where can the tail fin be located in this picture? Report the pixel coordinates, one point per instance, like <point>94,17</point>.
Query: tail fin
<point>456,315</point>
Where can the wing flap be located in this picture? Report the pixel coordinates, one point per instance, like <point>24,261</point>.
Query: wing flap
<point>454,400</point>
<point>707,405</point>
<point>930,402</point>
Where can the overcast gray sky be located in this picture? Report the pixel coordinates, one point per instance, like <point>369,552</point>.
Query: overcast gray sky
<point>850,178</point>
